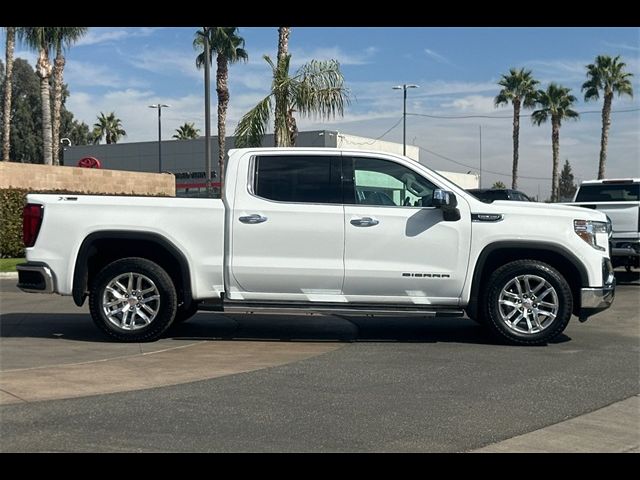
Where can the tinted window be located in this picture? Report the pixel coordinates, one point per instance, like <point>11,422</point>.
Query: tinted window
<point>300,179</point>
<point>386,183</point>
<point>609,193</point>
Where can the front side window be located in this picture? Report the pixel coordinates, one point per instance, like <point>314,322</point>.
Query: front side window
<point>298,179</point>
<point>385,183</point>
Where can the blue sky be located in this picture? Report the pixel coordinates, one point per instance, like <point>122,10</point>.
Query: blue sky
<point>125,69</point>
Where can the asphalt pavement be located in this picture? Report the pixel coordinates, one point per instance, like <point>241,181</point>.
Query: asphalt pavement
<point>275,383</point>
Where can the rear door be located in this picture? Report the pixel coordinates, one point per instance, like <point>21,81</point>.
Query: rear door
<point>287,228</point>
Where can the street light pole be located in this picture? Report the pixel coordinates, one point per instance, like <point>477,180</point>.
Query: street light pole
<point>159,107</point>
<point>404,87</point>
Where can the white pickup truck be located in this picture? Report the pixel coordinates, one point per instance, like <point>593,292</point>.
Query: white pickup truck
<point>321,230</point>
<point>619,199</point>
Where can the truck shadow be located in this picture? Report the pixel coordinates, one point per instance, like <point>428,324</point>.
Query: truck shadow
<point>264,327</point>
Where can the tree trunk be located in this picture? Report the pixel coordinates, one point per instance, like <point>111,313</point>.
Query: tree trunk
<point>58,70</point>
<point>43,70</point>
<point>280,136</point>
<point>555,143</point>
<point>8,85</point>
<point>222,89</point>
<point>516,135</point>
<point>604,139</point>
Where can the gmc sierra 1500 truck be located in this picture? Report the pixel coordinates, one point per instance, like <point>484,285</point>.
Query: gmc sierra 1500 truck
<point>321,230</point>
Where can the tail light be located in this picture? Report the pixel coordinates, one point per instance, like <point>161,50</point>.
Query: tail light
<point>31,220</point>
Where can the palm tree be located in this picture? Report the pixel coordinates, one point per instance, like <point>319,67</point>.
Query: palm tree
<point>316,89</point>
<point>281,107</point>
<point>519,88</point>
<point>63,36</point>
<point>109,127</point>
<point>555,102</point>
<point>229,48</point>
<point>187,131</point>
<point>606,75</point>
<point>8,86</point>
<point>42,39</point>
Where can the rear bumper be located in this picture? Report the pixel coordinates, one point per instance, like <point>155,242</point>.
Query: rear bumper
<point>35,277</point>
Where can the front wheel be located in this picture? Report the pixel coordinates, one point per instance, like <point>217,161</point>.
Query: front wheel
<point>527,302</point>
<point>133,300</point>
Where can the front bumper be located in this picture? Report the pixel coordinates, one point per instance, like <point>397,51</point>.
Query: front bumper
<point>35,277</point>
<point>594,300</point>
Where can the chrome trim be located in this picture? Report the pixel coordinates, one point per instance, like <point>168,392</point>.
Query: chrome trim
<point>601,297</point>
<point>487,217</point>
<point>47,275</point>
<point>253,219</point>
<point>364,222</point>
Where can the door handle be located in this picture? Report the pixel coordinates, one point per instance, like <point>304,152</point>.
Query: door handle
<point>364,222</point>
<point>253,218</point>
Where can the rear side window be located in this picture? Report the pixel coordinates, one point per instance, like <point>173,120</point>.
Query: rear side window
<point>298,178</point>
<point>609,193</point>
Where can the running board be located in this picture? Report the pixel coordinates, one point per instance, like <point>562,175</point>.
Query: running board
<point>340,308</point>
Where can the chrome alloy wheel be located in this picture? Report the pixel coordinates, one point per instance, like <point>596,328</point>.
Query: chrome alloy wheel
<point>528,304</point>
<point>131,301</point>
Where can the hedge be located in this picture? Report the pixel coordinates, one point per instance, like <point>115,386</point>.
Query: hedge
<point>12,201</point>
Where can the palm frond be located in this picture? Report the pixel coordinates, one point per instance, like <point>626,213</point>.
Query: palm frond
<point>253,124</point>
<point>318,89</point>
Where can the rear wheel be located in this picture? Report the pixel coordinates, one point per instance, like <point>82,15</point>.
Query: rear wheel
<point>133,300</point>
<point>527,302</point>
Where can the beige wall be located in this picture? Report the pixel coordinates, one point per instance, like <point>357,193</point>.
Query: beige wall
<point>80,180</point>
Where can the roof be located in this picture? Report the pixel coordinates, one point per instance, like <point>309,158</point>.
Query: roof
<point>611,180</point>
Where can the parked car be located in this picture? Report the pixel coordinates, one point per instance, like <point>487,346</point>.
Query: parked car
<point>619,199</point>
<point>490,194</point>
<point>320,230</point>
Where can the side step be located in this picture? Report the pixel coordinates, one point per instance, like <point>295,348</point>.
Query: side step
<point>337,308</point>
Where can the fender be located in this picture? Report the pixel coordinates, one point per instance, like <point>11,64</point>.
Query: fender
<point>81,270</point>
<point>521,245</point>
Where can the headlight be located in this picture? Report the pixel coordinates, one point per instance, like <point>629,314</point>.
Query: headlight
<point>595,234</point>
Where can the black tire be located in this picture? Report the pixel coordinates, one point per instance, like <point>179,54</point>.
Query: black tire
<point>552,327</point>
<point>165,307</point>
<point>184,314</point>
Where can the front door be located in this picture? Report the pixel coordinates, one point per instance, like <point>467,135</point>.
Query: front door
<point>287,229</point>
<point>398,249</point>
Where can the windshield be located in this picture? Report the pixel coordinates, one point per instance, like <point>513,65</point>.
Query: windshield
<point>609,192</point>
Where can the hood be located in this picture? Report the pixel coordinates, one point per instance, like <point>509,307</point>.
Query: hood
<point>538,209</point>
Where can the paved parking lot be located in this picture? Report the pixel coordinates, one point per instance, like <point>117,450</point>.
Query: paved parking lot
<point>314,383</point>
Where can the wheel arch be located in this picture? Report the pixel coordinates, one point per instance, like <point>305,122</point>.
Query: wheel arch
<point>500,253</point>
<point>99,249</point>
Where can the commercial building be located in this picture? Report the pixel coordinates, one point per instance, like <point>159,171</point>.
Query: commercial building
<point>186,158</point>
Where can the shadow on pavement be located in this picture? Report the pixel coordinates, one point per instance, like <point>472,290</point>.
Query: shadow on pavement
<point>628,278</point>
<point>210,326</point>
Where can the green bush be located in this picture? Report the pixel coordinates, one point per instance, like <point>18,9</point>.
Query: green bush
<point>12,201</point>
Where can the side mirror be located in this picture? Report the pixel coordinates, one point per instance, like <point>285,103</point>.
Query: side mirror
<point>448,203</point>
<point>444,199</point>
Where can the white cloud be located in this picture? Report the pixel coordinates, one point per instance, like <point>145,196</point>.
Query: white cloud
<point>472,104</point>
<point>437,57</point>
<point>300,56</point>
<point>83,74</point>
<point>97,35</point>
<point>623,46</point>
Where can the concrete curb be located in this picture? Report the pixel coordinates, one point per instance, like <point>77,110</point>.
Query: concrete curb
<point>612,429</point>
<point>8,274</point>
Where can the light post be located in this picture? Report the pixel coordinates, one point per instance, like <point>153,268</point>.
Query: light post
<point>404,113</point>
<point>159,107</point>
